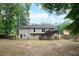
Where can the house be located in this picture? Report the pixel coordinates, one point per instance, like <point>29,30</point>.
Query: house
<point>66,35</point>
<point>65,32</point>
<point>35,31</point>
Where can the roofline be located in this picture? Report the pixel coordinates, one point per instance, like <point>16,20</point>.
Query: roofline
<point>35,28</point>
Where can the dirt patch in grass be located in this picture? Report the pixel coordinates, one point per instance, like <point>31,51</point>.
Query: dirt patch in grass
<point>39,48</point>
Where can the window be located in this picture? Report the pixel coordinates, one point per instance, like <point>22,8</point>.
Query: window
<point>51,28</point>
<point>34,29</point>
<point>24,35</point>
<point>43,29</point>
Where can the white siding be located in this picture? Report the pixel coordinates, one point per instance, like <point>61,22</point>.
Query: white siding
<point>46,29</point>
<point>25,32</point>
<point>36,31</point>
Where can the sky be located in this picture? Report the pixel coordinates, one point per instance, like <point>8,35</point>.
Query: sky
<point>40,16</point>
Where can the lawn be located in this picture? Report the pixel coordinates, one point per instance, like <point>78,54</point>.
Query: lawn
<point>39,48</point>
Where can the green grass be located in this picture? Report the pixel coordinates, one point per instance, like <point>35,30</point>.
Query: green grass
<point>38,47</point>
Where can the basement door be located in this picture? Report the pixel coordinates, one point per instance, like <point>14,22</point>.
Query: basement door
<point>21,36</point>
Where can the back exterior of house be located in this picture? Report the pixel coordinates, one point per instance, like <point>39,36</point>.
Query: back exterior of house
<point>35,31</point>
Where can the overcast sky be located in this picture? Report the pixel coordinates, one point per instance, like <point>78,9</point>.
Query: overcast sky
<point>39,16</point>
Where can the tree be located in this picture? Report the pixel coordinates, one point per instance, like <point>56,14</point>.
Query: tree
<point>25,15</point>
<point>10,15</point>
<point>63,8</point>
<point>62,26</point>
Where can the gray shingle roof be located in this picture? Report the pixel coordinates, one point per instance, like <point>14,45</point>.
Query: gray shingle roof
<point>37,26</point>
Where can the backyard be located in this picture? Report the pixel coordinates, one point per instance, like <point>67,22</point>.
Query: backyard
<point>39,48</point>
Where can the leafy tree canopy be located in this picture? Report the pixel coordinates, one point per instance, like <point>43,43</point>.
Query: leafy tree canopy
<point>63,8</point>
<point>10,17</point>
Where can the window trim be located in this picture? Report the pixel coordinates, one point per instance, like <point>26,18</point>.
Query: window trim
<point>34,30</point>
